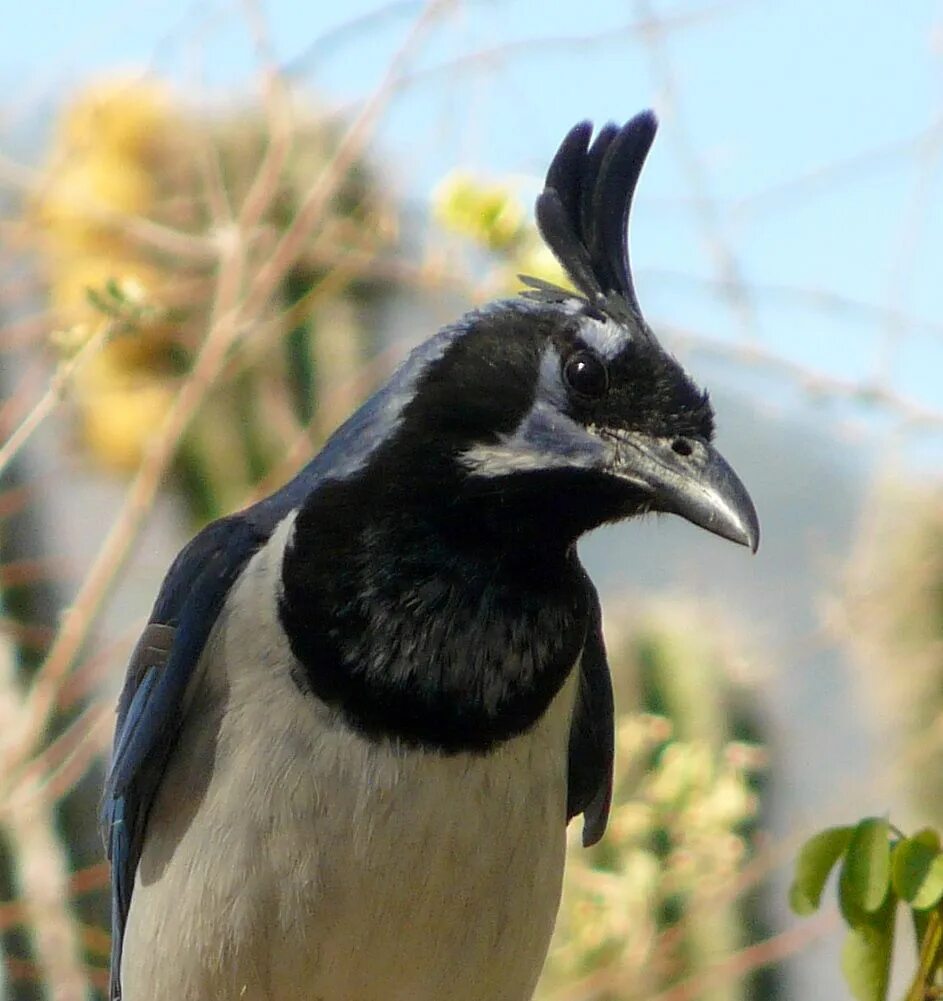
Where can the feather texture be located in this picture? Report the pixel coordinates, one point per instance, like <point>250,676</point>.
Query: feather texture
<point>583,211</point>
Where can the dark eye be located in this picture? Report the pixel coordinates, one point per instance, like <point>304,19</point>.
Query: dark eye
<point>586,374</point>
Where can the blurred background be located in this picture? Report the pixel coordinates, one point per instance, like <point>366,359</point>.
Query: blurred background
<point>222,224</point>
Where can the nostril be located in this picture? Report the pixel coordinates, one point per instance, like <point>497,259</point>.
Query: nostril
<point>682,446</point>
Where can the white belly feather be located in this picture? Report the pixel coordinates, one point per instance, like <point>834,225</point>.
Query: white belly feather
<point>288,859</point>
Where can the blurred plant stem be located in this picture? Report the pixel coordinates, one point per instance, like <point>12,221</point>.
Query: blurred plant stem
<point>43,840</point>
<point>891,614</point>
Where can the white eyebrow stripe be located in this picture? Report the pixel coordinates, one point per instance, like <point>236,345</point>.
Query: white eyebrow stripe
<point>606,337</point>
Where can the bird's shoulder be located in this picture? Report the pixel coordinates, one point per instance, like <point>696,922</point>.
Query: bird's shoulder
<point>187,605</point>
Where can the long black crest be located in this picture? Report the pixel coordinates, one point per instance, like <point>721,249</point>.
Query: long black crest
<point>583,211</point>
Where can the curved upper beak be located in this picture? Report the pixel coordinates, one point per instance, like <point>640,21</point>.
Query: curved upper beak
<point>689,477</point>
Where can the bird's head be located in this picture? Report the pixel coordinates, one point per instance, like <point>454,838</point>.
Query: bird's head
<point>550,414</point>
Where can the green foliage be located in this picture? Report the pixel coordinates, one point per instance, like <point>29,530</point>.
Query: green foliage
<point>917,875</point>
<point>866,870</point>
<point>816,860</point>
<point>881,870</point>
<point>866,954</point>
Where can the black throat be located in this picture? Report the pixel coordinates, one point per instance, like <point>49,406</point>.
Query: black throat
<point>419,621</point>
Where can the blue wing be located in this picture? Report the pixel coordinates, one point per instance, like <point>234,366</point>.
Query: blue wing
<point>149,710</point>
<point>150,706</point>
<point>592,735</point>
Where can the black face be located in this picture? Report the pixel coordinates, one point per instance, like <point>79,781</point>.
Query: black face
<point>636,387</point>
<point>525,421</point>
<point>431,591</point>
<point>482,386</point>
<point>508,447</point>
<point>486,384</point>
<point>434,595</point>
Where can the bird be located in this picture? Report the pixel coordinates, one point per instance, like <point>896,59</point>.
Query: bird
<point>365,709</point>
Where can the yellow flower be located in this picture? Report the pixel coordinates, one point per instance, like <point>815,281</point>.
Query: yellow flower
<point>537,261</point>
<point>488,214</point>
<point>83,200</point>
<point>122,118</point>
<point>102,167</point>
<point>78,282</point>
<point>120,412</point>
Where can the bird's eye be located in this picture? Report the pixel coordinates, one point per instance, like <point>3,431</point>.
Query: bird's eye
<point>585,373</point>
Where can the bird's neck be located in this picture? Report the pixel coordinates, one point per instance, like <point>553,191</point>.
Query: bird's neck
<point>416,629</point>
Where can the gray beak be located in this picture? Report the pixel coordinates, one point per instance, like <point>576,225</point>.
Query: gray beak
<point>689,477</point>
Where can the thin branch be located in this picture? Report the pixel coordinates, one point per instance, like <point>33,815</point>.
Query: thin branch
<point>816,384</point>
<point>706,211</point>
<point>820,299</point>
<point>780,195</point>
<point>351,146</point>
<point>43,876</point>
<point>485,60</point>
<point>53,396</point>
<point>754,957</point>
<point>331,41</point>
<point>116,548</point>
<point>906,256</point>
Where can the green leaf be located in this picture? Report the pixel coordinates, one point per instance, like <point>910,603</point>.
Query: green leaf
<point>917,872</point>
<point>929,837</point>
<point>866,871</point>
<point>866,954</point>
<point>816,859</point>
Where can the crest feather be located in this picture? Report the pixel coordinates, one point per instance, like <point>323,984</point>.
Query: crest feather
<point>583,211</point>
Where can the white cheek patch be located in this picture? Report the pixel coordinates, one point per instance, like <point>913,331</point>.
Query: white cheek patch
<point>505,458</point>
<point>546,439</point>
<point>606,337</point>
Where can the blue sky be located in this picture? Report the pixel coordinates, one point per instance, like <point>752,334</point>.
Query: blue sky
<point>797,150</point>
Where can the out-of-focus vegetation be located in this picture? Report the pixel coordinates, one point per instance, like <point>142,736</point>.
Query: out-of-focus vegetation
<point>664,898</point>
<point>492,216</point>
<point>148,223</point>
<point>134,180</point>
<point>212,289</point>
<point>892,611</point>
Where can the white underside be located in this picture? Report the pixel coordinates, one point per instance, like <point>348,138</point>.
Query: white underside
<point>288,859</point>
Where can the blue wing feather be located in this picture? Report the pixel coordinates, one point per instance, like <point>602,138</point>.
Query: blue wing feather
<point>149,711</point>
<point>190,601</point>
<point>150,708</point>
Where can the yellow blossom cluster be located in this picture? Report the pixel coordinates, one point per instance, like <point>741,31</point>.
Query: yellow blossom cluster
<point>660,897</point>
<point>675,835</point>
<point>492,216</point>
<point>487,214</point>
<point>100,179</point>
